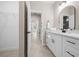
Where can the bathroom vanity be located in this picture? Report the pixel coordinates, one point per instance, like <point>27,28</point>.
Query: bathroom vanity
<point>64,40</point>
<point>63,44</point>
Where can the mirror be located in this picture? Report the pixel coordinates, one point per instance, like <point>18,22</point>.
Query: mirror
<point>67,19</point>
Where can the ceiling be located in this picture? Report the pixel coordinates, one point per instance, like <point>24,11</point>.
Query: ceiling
<point>39,5</point>
<point>42,2</point>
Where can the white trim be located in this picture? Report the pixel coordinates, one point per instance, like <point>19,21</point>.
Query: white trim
<point>9,48</point>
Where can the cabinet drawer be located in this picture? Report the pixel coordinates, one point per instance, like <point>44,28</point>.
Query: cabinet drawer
<point>70,52</point>
<point>71,42</point>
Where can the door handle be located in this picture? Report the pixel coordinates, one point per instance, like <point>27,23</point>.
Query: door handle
<point>28,32</point>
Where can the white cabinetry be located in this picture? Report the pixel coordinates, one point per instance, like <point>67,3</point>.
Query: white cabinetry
<point>63,45</point>
<point>53,41</point>
<point>58,45</point>
<point>70,47</point>
<point>50,42</point>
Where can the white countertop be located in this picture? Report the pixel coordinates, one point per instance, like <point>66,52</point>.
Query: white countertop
<point>73,34</point>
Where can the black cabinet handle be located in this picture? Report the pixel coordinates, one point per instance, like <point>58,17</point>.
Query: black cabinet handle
<point>71,42</point>
<point>70,54</point>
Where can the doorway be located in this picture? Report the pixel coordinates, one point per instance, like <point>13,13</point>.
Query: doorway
<point>36,26</point>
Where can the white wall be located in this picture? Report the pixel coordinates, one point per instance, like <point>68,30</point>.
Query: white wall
<point>9,25</point>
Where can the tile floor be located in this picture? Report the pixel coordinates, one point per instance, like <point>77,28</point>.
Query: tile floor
<point>38,50</point>
<point>10,53</point>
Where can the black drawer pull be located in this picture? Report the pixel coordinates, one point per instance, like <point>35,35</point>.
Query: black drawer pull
<point>70,42</point>
<point>70,54</point>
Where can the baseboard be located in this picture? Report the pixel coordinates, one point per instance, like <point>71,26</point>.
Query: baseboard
<point>8,49</point>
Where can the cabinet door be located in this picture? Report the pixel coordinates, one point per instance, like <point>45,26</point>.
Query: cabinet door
<point>50,42</point>
<point>58,45</point>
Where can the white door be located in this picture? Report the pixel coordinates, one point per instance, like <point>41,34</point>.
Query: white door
<point>29,27</point>
<point>25,27</point>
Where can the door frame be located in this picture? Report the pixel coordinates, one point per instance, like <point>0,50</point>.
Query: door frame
<point>21,28</point>
<point>40,23</point>
<point>23,52</point>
